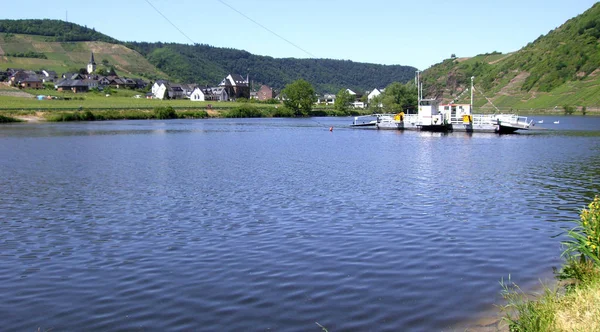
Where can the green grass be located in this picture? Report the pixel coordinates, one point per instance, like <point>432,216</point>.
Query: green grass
<point>574,307</point>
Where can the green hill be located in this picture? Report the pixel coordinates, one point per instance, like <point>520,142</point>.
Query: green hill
<point>38,52</point>
<point>58,45</point>
<point>560,68</point>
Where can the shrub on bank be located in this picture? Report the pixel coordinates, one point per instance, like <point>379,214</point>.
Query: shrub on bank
<point>585,237</point>
<point>282,112</point>
<point>245,111</point>
<point>192,114</point>
<point>165,113</point>
<point>578,307</point>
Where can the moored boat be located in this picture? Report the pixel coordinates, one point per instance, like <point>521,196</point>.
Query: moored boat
<point>365,121</point>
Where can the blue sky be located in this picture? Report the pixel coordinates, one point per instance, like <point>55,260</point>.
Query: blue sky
<point>415,33</point>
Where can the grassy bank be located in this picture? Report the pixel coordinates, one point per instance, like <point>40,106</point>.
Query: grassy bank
<point>128,104</point>
<point>575,304</point>
<point>157,113</point>
<point>243,111</point>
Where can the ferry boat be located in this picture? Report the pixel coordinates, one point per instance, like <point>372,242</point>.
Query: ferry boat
<point>460,117</point>
<point>431,116</point>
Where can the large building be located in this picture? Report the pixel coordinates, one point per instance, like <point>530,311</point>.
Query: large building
<point>236,86</point>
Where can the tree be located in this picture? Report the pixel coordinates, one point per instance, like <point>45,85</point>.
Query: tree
<point>398,97</point>
<point>299,97</point>
<point>569,109</point>
<point>584,110</point>
<point>376,103</point>
<point>343,100</point>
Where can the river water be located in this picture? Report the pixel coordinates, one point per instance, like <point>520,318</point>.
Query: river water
<point>276,224</point>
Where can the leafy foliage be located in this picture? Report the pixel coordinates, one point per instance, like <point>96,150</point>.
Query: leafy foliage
<point>165,113</point>
<point>585,237</point>
<point>299,97</point>
<point>569,109</point>
<point>343,100</point>
<point>399,97</point>
<point>29,54</point>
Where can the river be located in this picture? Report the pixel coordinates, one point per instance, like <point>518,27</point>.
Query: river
<point>277,224</point>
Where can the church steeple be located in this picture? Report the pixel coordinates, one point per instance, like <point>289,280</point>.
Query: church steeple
<point>91,67</point>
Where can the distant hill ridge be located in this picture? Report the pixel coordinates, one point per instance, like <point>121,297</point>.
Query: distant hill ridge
<point>204,64</point>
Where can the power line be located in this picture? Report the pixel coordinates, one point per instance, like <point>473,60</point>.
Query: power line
<point>264,27</point>
<point>173,24</point>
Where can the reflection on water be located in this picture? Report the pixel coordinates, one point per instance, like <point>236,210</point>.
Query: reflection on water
<point>275,224</point>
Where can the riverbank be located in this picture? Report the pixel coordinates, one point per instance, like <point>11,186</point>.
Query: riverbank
<point>240,110</point>
<point>574,304</point>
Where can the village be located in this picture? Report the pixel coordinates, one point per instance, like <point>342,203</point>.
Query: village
<point>231,88</point>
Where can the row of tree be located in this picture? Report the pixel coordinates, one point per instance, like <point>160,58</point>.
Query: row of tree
<point>299,97</point>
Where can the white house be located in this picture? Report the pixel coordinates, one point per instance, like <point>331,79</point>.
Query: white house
<point>209,94</point>
<point>159,90</point>
<point>163,89</point>
<point>328,99</point>
<point>376,92</point>
<point>197,95</point>
<point>373,94</point>
<point>351,92</point>
<point>358,104</point>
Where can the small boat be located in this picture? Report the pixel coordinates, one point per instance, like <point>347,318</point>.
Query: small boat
<point>541,121</point>
<point>556,122</point>
<point>357,123</point>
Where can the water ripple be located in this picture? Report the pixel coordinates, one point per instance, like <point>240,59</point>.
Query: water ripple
<point>276,223</point>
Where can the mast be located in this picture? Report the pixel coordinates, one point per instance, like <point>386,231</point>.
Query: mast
<point>472,78</point>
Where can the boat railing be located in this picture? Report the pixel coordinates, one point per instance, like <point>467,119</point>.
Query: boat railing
<point>477,119</point>
<point>514,120</point>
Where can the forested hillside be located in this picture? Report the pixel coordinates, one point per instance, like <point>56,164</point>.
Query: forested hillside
<point>209,65</point>
<point>555,69</point>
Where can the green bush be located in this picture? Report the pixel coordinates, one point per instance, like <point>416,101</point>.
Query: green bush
<point>569,109</point>
<point>282,112</point>
<point>192,114</point>
<point>585,237</point>
<point>245,111</point>
<point>165,113</point>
